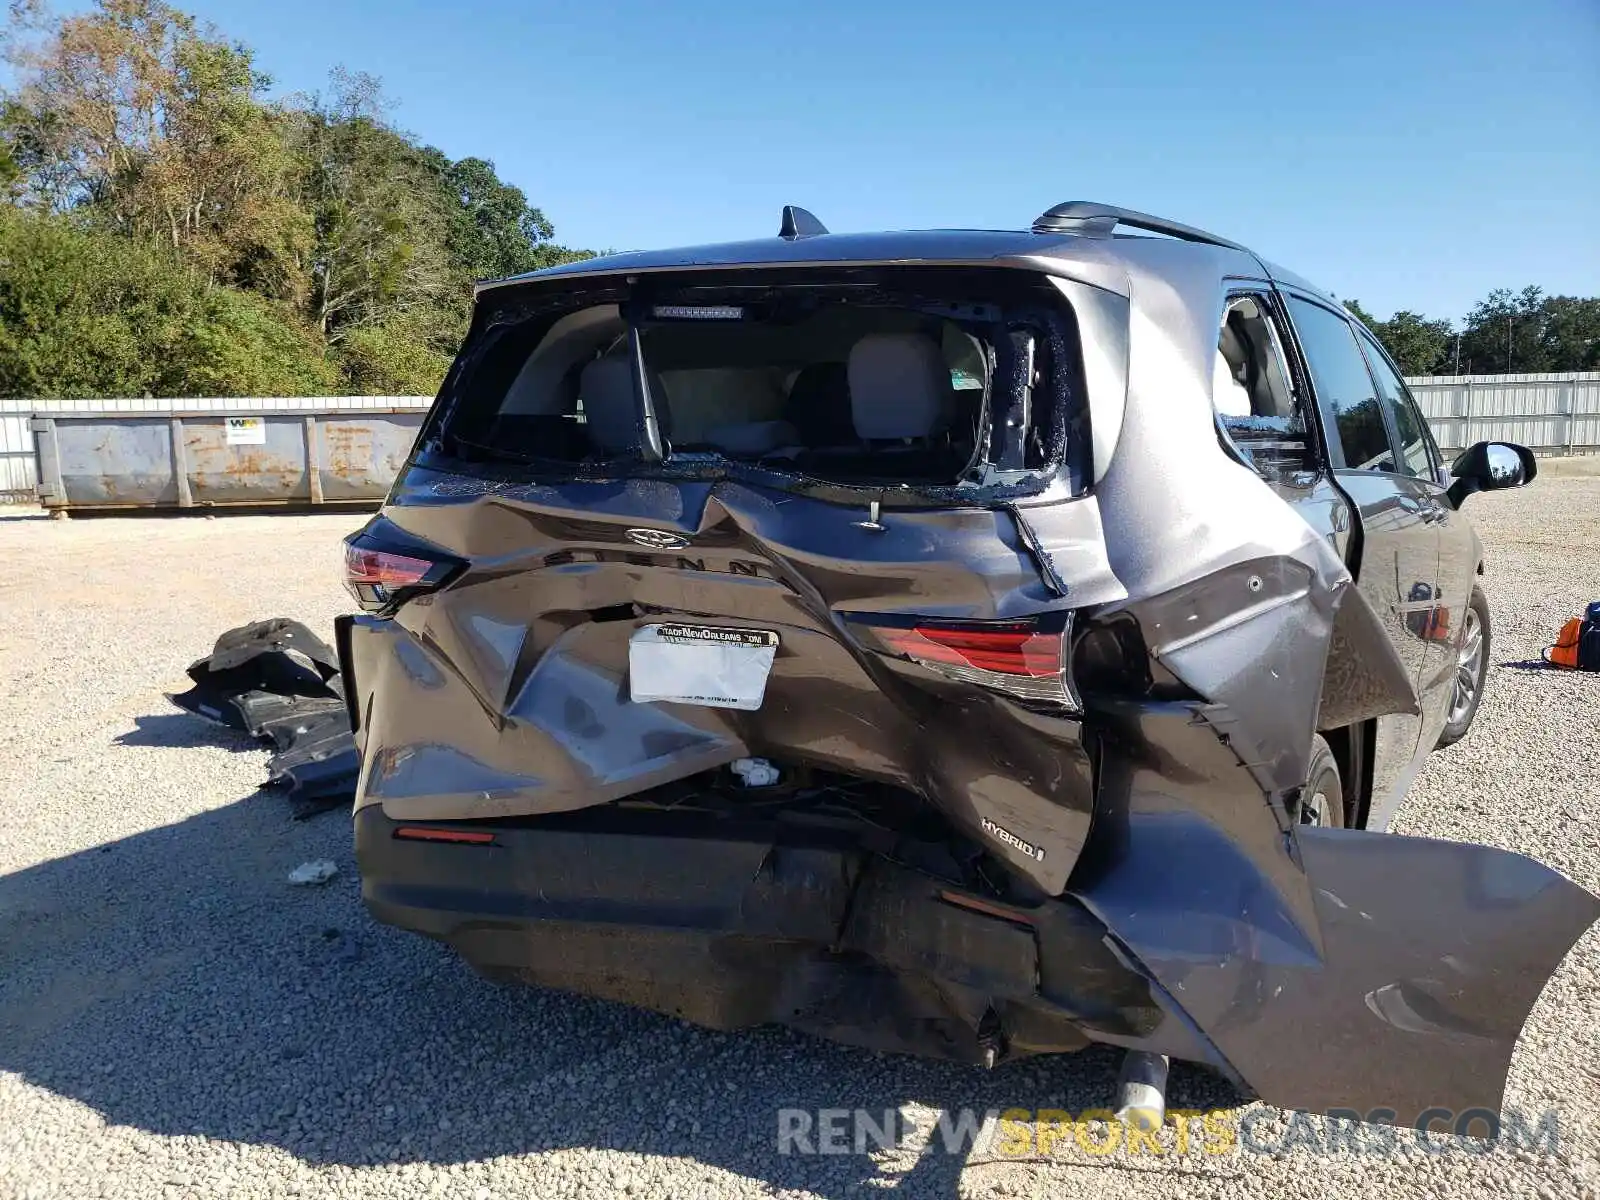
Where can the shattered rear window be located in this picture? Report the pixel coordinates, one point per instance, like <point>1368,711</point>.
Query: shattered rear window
<point>947,382</point>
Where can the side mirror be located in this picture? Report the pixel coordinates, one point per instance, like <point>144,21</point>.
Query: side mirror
<point>1491,466</point>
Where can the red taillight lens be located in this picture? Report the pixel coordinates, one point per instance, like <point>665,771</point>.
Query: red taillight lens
<point>1022,651</point>
<point>375,577</point>
<point>1015,657</point>
<point>381,567</point>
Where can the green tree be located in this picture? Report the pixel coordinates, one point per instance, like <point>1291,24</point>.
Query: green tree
<point>1529,331</point>
<point>247,345</point>
<point>1362,315</point>
<point>1418,345</point>
<point>379,250</point>
<point>164,228</point>
<point>1571,333</point>
<point>385,360</point>
<point>1490,342</point>
<point>135,115</point>
<point>401,234</point>
<point>494,231</point>
<point>86,312</point>
<point>13,152</point>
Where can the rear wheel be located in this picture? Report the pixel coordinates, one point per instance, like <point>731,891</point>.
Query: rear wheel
<point>1472,668</point>
<point>1321,802</point>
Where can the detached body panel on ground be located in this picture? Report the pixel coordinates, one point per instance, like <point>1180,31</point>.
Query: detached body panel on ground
<point>1012,580</point>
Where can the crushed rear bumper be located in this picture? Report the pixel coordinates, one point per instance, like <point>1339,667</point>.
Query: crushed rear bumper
<point>1314,980</point>
<point>731,928</point>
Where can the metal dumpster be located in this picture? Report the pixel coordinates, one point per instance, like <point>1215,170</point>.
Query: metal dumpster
<point>214,458</point>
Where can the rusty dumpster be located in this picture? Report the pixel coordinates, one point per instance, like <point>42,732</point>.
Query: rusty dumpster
<point>122,460</point>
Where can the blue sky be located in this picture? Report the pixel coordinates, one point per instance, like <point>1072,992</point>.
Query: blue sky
<point>1409,154</point>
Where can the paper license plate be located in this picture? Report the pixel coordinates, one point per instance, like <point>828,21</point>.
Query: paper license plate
<point>701,664</point>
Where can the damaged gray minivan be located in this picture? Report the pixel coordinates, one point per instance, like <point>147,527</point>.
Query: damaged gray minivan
<point>973,644</point>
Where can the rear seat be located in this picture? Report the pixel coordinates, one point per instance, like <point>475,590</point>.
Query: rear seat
<point>610,414</point>
<point>819,406</point>
<point>886,412</point>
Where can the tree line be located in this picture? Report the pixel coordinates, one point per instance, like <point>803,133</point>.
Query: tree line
<point>1508,331</point>
<point>168,229</point>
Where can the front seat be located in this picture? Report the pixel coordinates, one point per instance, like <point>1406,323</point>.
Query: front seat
<point>1229,395</point>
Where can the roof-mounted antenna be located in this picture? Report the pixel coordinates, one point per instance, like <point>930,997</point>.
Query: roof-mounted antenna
<point>798,223</point>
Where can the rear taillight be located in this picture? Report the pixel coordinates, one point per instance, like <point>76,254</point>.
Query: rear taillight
<point>1026,659</point>
<point>379,568</point>
<point>381,578</point>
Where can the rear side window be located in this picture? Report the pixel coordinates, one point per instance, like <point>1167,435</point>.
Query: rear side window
<point>935,378</point>
<point>1258,408</point>
<point>1250,384</point>
<point>1409,427</point>
<point>1345,391</point>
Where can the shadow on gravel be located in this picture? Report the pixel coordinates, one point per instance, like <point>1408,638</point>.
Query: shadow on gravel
<point>183,729</point>
<point>1534,664</point>
<point>176,983</point>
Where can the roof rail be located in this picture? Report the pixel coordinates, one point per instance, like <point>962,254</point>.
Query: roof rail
<point>798,223</point>
<point>1088,219</point>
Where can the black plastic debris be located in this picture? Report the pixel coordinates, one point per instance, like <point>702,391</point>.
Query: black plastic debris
<point>316,762</point>
<point>279,718</point>
<point>256,666</point>
<point>278,681</point>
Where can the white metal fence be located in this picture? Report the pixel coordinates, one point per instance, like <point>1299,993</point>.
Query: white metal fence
<point>19,480</point>
<point>1550,414</point>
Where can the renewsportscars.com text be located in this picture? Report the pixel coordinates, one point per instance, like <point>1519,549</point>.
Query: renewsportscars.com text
<point>1032,1133</point>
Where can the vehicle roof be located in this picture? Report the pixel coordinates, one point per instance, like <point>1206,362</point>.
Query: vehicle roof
<point>1099,260</point>
<point>920,245</point>
<point>971,247</point>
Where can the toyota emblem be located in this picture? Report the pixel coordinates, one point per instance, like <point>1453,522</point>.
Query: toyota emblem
<point>657,539</point>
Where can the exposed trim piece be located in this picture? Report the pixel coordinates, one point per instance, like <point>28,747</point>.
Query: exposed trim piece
<point>798,223</point>
<point>1090,219</point>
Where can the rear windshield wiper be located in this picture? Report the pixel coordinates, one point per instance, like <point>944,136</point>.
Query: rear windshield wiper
<point>651,447</point>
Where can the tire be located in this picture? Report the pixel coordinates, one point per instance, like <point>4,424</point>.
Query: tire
<point>1322,801</point>
<point>1472,671</point>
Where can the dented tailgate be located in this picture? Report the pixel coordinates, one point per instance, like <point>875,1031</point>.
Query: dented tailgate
<point>506,693</point>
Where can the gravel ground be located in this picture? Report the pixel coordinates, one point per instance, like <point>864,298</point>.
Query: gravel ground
<point>175,1020</point>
